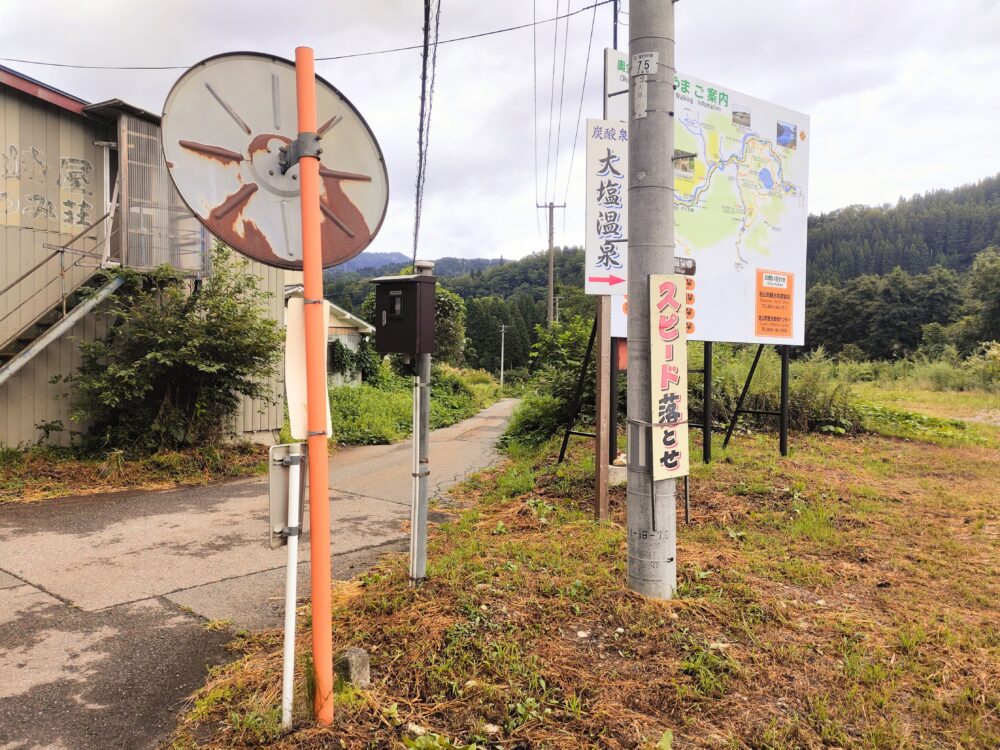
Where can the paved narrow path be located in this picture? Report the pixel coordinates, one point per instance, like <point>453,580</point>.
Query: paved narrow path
<point>103,598</point>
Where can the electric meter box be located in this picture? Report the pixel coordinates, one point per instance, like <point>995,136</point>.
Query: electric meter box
<point>404,314</point>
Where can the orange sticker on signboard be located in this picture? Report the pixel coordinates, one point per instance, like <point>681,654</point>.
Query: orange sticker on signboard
<point>773,312</point>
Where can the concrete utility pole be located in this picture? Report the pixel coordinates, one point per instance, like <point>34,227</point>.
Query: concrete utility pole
<point>552,256</point>
<point>652,515</point>
<point>503,330</point>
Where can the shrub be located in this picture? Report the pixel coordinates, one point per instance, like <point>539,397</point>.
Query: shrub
<point>174,366</point>
<point>365,415</point>
<point>817,397</point>
<point>537,418</point>
<point>383,413</point>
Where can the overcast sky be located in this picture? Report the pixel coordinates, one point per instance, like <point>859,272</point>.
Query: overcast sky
<point>899,92</point>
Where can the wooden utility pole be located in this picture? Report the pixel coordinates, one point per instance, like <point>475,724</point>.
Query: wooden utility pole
<point>603,408</point>
<point>552,257</point>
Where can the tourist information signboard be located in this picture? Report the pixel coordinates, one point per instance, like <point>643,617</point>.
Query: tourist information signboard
<point>741,169</point>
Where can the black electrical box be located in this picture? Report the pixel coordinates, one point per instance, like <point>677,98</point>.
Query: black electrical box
<point>404,314</point>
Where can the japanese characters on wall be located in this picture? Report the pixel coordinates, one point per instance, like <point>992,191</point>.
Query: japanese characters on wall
<point>56,189</point>
<point>668,363</point>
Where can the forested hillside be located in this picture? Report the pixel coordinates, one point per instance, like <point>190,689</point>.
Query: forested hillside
<point>943,228</point>
<point>884,282</point>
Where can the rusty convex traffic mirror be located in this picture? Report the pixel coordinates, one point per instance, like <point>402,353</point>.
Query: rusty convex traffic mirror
<point>228,125</point>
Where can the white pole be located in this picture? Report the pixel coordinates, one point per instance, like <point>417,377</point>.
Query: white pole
<point>291,583</point>
<point>415,500</point>
<point>421,453</point>
<point>503,330</point>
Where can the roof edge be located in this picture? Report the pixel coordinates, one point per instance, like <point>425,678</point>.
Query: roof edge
<point>35,88</point>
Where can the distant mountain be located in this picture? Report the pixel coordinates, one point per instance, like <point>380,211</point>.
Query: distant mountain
<point>376,264</point>
<point>370,260</point>
<point>941,228</point>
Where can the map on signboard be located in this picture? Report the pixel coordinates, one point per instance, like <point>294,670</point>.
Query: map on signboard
<point>740,187</point>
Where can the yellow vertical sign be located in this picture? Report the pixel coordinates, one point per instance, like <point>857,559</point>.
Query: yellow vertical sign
<point>668,363</point>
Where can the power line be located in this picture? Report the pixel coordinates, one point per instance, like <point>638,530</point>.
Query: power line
<point>422,118</point>
<point>426,109</point>
<point>562,89</point>
<point>333,57</point>
<point>552,103</point>
<point>534,119</point>
<point>579,113</point>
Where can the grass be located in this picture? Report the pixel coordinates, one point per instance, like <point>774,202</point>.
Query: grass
<point>846,597</point>
<point>378,415</point>
<point>46,472</point>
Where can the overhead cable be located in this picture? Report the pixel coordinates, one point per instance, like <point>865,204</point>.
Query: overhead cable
<point>579,112</point>
<point>318,59</point>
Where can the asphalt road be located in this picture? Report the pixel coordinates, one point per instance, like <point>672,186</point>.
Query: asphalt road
<point>104,598</point>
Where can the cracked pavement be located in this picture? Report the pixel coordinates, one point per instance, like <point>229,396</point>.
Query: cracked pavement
<point>104,598</point>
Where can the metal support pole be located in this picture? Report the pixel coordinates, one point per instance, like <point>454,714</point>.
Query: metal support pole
<point>421,456</point>
<point>291,584</point>
<point>503,332</point>
<point>316,396</point>
<point>62,280</point>
<point>602,408</point>
<point>687,499</point>
<point>652,515</point>
<point>783,428</point>
<point>577,394</point>
<point>743,395</point>
<point>706,447</point>
<point>614,35</point>
<point>613,409</point>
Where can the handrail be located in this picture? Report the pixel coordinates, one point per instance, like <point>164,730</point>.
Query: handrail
<point>47,258</point>
<point>30,271</point>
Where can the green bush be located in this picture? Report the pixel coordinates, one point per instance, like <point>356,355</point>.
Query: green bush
<point>537,418</point>
<point>383,413</point>
<point>365,415</point>
<point>817,398</point>
<point>175,364</point>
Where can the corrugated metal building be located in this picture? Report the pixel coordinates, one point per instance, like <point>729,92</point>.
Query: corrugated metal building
<point>84,187</point>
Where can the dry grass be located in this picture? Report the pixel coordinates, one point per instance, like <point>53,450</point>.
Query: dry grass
<point>846,597</point>
<point>43,472</point>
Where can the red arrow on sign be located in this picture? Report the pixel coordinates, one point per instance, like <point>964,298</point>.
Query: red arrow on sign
<point>611,279</point>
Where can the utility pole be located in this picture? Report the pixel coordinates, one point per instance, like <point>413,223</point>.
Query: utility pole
<point>652,515</point>
<point>503,330</point>
<point>552,256</point>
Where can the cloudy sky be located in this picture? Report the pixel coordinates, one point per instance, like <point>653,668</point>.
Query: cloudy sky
<point>900,92</point>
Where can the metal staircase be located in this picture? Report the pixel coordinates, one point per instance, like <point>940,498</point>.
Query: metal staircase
<point>19,351</point>
<point>36,320</point>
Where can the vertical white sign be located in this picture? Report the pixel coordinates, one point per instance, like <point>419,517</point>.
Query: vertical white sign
<point>616,108</point>
<point>668,371</point>
<point>606,264</point>
<point>295,368</point>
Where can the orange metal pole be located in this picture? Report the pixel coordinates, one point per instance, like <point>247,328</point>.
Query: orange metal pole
<point>319,470</point>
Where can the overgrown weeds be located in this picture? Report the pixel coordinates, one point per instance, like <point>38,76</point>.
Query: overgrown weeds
<point>813,612</point>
